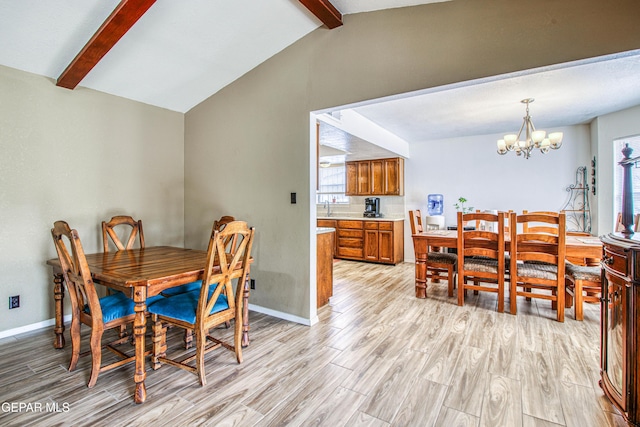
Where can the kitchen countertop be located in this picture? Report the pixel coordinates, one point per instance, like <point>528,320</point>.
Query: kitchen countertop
<point>320,230</point>
<point>353,217</point>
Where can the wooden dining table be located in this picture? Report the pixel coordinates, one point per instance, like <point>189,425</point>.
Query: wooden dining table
<point>140,273</point>
<point>576,247</point>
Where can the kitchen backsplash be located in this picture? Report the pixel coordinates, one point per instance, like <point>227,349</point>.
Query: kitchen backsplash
<point>390,207</point>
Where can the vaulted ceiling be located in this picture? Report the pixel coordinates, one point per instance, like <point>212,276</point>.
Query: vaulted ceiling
<point>178,53</point>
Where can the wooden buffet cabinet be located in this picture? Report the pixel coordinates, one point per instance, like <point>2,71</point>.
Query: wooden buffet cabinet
<point>379,177</point>
<point>620,323</point>
<point>368,240</point>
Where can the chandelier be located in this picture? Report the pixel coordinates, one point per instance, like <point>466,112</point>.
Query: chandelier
<point>532,139</point>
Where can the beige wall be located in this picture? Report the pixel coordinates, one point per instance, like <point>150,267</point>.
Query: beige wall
<point>247,147</point>
<point>607,129</point>
<point>81,156</point>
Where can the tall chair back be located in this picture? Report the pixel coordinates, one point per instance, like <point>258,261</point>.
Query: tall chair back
<point>76,273</point>
<point>535,226</point>
<point>415,219</point>
<point>481,256</point>
<point>538,260</point>
<point>231,240</point>
<point>108,229</point>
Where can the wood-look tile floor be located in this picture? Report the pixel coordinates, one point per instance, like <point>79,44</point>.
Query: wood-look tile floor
<point>378,357</point>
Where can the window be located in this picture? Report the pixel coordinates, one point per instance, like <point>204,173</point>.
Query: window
<point>618,145</point>
<point>332,184</point>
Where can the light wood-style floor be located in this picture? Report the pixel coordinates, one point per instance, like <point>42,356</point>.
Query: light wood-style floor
<point>378,357</point>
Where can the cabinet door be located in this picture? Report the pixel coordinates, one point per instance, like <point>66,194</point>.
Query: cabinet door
<point>351,170</point>
<point>385,246</point>
<point>364,178</point>
<point>371,245</point>
<point>392,177</point>
<point>614,334</point>
<point>378,184</point>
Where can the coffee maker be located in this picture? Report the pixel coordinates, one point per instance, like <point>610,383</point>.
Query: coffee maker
<point>372,207</point>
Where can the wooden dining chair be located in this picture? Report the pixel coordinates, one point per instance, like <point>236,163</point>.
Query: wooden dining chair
<point>213,305</point>
<point>481,260</point>
<point>87,308</point>
<point>437,262</point>
<point>120,222</point>
<point>130,232</point>
<point>535,227</point>
<point>538,261</point>
<point>582,284</point>
<point>230,246</point>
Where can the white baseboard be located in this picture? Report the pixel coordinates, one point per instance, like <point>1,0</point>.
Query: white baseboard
<point>284,316</point>
<point>32,327</point>
<point>50,322</point>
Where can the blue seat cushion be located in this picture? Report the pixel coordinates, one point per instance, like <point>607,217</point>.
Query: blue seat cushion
<point>118,305</point>
<point>183,306</point>
<point>182,289</point>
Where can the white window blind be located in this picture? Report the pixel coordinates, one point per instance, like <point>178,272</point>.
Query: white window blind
<point>332,184</point>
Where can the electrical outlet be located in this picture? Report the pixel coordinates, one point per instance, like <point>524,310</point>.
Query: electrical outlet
<point>252,284</point>
<point>14,302</point>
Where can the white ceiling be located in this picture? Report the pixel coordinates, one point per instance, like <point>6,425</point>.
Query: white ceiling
<point>181,52</point>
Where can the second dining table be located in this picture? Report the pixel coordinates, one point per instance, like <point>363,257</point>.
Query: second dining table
<point>576,247</point>
<point>141,273</point>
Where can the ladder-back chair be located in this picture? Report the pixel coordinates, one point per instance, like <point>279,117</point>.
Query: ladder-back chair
<point>437,262</point>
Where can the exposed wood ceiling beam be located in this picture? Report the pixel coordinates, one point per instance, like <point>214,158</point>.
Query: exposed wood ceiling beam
<point>125,15</point>
<point>324,11</point>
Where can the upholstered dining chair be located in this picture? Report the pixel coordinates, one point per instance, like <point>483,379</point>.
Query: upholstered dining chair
<point>481,259</point>
<point>538,260</point>
<point>437,262</point>
<point>214,304</point>
<point>87,308</point>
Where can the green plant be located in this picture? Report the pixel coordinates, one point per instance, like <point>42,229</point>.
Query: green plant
<point>460,207</point>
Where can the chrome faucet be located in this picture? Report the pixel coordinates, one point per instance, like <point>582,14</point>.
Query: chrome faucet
<point>327,205</point>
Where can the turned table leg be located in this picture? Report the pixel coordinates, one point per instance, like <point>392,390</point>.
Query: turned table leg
<point>58,296</point>
<point>421,275</point>
<point>139,329</point>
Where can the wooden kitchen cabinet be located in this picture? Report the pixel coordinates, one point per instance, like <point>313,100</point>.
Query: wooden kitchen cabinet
<point>368,240</point>
<point>379,177</point>
<point>620,320</point>
<point>331,223</point>
<point>324,267</point>
<point>381,242</point>
<point>350,235</point>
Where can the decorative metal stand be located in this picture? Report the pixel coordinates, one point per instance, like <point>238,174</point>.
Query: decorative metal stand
<point>577,205</point>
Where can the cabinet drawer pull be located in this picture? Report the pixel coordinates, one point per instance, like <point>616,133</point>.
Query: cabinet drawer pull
<point>607,260</point>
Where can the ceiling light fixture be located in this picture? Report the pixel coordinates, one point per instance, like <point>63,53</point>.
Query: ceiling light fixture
<point>533,138</point>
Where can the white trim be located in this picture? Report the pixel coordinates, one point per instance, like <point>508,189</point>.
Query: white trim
<point>284,316</point>
<point>67,319</point>
<point>31,327</point>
